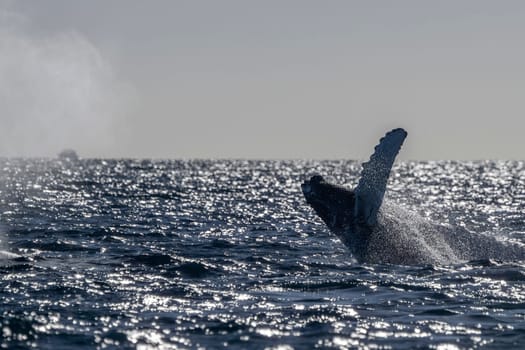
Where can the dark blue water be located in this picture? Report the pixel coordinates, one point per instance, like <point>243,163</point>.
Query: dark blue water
<point>226,254</point>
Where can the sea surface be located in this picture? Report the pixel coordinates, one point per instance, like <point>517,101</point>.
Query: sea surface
<point>226,254</point>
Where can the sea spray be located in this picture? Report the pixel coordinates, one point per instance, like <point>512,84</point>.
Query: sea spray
<point>4,249</point>
<point>405,237</point>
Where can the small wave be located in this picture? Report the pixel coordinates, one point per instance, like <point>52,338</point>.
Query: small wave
<point>193,269</point>
<point>58,246</point>
<point>222,244</point>
<point>153,259</point>
<point>324,285</point>
<point>439,312</point>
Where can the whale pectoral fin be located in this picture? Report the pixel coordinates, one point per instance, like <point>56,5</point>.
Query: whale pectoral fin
<point>372,185</point>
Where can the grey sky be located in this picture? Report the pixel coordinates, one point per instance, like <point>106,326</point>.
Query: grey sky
<point>263,79</point>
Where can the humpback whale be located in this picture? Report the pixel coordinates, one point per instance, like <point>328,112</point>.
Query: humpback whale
<point>352,215</point>
<point>394,235</point>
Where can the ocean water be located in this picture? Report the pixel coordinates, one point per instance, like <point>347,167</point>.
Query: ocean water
<point>227,254</point>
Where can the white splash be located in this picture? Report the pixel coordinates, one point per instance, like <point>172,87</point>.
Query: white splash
<point>4,253</point>
<point>404,237</point>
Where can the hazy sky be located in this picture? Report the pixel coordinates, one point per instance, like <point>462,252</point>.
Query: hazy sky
<point>262,79</point>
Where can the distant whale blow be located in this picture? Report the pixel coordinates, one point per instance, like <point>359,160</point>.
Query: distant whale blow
<point>394,235</point>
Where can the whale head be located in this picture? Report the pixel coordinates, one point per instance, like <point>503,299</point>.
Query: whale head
<point>334,204</point>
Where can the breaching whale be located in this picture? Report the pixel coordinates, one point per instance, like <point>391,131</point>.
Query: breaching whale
<point>352,215</point>
<point>394,236</point>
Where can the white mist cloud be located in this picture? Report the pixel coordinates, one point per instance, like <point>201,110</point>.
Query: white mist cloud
<point>56,91</point>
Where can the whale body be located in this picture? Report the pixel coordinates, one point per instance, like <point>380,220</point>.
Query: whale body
<point>377,233</point>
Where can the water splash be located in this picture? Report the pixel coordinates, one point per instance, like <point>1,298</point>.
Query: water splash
<point>405,237</point>
<point>5,254</point>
